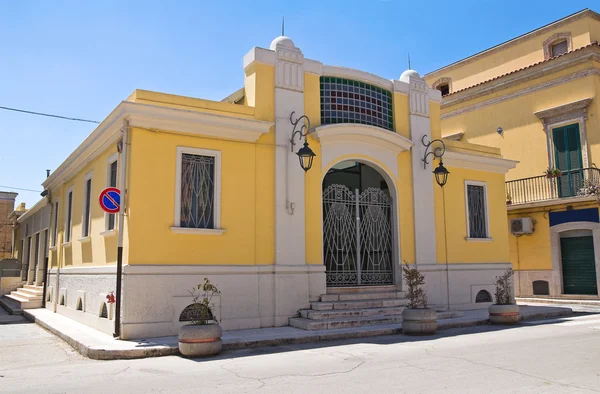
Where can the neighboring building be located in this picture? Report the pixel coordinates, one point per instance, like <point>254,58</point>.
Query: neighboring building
<point>215,189</point>
<point>7,205</point>
<point>536,98</point>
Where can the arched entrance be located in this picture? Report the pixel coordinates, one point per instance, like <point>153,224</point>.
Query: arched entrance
<point>357,226</point>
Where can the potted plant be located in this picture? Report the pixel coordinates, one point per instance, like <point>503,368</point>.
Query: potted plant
<point>552,172</point>
<point>417,319</point>
<point>202,337</point>
<point>505,310</point>
<point>508,199</point>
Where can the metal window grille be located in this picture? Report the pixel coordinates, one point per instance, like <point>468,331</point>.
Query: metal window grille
<point>86,217</point>
<point>477,214</point>
<point>112,182</point>
<point>483,296</point>
<point>197,191</point>
<point>195,312</point>
<point>347,101</point>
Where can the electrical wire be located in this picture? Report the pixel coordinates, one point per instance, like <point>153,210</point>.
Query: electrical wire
<point>20,188</point>
<point>49,115</point>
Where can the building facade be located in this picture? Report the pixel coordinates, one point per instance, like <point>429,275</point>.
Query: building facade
<point>215,189</point>
<point>7,205</point>
<point>535,97</point>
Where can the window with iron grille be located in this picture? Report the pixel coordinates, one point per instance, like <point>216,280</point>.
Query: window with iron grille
<point>198,189</point>
<point>69,219</point>
<point>348,101</point>
<point>55,227</point>
<point>477,221</point>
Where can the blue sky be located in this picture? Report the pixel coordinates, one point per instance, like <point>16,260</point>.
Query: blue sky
<point>81,58</point>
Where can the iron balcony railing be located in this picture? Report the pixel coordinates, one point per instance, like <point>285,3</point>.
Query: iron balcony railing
<point>543,188</point>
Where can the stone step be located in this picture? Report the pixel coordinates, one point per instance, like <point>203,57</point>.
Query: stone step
<point>336,314</point>
<point>33,292</point>
<point>11,306</point>
<point>25,303</point>
<point>362,289</point>
<point>27,296</point>
<point>311,325</point>
<point>362,296</point>
<point>34,287</point>
<point>360,304</point>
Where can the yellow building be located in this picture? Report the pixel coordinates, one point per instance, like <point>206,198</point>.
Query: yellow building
<point>216,190</point>
<point>535,97</point>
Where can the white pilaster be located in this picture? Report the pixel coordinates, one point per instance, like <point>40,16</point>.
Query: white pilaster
<point>289,176</point>
<point>420,126</point>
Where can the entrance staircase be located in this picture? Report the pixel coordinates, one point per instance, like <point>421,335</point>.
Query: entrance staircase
<point>345,307</point>
<point>26,297</point>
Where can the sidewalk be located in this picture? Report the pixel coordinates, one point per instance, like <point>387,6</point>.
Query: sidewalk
<point>100,346</point>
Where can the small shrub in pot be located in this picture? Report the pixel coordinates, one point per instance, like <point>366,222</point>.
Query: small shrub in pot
<point>417,319</point>
<point>505,310</point>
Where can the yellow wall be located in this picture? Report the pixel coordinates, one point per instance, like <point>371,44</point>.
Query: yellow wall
<point>459,249</point>
<point>533,252</point>
<point>99,250</point>
<point>523,137</point>
<point>512,57</point>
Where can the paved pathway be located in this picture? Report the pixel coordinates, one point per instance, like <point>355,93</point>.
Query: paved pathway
<point>556,355</point>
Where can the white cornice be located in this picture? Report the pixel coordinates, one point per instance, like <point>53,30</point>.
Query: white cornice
<point>344,72</point>
<point>521,92</point>
<point>362,133</point>
<point>525,75</point>
<point>478,162</point>
<point>155,117</point>
<point>259,55</point>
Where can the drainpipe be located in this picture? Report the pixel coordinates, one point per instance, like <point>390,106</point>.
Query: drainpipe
<point>123,162</point>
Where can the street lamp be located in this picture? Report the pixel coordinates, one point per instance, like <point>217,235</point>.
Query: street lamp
<point>441,174</point>
<point>305,154</point>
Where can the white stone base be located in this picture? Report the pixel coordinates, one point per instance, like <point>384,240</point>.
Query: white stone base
<point>465,279</point>
<point>251,296</point>
<point>524,282</point>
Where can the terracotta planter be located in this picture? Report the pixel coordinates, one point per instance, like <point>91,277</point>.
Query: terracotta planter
<point>504,314</point>
<point>419,321</point>
<point>200,340</point>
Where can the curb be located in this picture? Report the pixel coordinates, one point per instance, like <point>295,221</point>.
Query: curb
<point>159,351</point>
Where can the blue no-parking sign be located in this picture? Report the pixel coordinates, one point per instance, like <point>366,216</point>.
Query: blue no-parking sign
<point>110,200</point>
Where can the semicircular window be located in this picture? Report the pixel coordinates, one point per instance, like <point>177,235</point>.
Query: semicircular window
<point>483,296</point>
<point>194,312</point>
<point>347,101</point>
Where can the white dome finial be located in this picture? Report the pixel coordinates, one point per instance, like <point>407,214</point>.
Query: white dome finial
<point>408,74</point>
<point>283,41</point>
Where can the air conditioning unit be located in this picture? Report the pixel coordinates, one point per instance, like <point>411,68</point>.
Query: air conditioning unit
<point>521,226</point>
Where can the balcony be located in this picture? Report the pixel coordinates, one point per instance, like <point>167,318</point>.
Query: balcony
<point>542,188</point>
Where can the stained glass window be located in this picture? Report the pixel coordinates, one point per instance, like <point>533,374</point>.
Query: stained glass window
<point>477,214</point>
<point>197,191</point>
<point>347,101</point>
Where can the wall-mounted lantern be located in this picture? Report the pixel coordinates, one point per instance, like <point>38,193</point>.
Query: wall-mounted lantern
<point>441,172</point>
<point>305,154</point>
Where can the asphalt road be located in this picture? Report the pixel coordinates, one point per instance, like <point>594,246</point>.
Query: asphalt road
<point>552,356</point>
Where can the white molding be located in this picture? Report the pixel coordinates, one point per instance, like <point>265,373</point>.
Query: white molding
<point>357,75</point>
<point>313,67</point>
<point>200,231</point>
<point>289,72</point>
<point>66,244</point>
<point>67,214</point>
<point>111,159</point>
<point>513,80</point>
<point>97,270</point>
<point>487,209</point>
<point>88,177</point>
<point>259,55</point>
<point>85,240</point>
<point>167,269</point>
<point>401,86</point>
<point>155,117</point>
<point>547,203</point>
<point>478,162</point>
<point>465,267</point>
<point>479,239</point>
<point>216,183</point>
<point>363,133</point>
<point>419,96</point>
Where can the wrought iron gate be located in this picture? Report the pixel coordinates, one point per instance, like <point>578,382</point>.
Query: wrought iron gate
<point>357,237</point>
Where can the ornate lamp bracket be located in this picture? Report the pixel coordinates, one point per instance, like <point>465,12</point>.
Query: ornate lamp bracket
<point>437,152</point>
<point>299,128</point>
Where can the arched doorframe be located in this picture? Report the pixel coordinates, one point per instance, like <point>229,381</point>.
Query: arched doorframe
<point>555,231</point>
<point>389,179</point>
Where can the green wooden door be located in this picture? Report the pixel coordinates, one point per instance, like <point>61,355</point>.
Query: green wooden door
<point>578,265</point>
<point>567,157</point>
